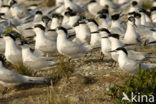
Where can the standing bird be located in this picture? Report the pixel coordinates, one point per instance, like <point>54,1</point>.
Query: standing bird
<point>75,7</point>
<point>69,48</point>
<point>12,53</point>
<point>10,78</point>
<point>128,64</point>
<point>42,43</point>
<point>131,36</point>
<point>34,62</point>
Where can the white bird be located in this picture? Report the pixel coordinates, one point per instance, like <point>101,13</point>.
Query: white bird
<point>55,21</point>
<point>51,34</point>
<point>10,78</point>
<point>104,21</point>
<point>134,7</point>
<point>34,62</point>
<point>17,11</point>
<point>152,38</point>
<point>95,40</point>
<point>69,48</point>
<point>92,24</point>
<point>75,7</point>
<point>131,36</point>
<point>153,13</point>
<point>116,43</point>
<point>92,5</point>
<point>42,43</point>
<point>116,26</point>
<point>129,65</point>
<point>83,32</point>
<point>105,42</point>
<point>12,53</point>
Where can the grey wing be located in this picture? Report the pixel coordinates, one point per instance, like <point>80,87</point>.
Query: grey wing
<point>132,66</point>
<point>73,48</point>
<point>10,76</point>
<point>36,64</point>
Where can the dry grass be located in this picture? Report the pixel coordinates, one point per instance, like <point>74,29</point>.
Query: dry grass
<point>64,69</point>
<point>52,97</point>
<point>21,69</point>
<point>48,3</point>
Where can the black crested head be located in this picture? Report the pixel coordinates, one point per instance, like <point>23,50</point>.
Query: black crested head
<point>131,19</point>
<point>39,12</point>
<point>12,2</point>
<point>23,42</point>
<point>117,36</point>
<point>134,3</point>
<point>63,29</point>
<point>72,14</point>
<point>10,35</point>
<point>105,30</point>
<point>137,15</point>
<point>56,15</point>
<point>76,24</point>
<point>67,13</point>
<point>92,1</point>
<point>82,18</point>
<point>122,49</point>
<point>153,9</point>
<point>2,14</point>
<point>40,26</point>
<point>131,13</point>
<point>103,11</point>
<point>6,6</point>
<point>51,30</point>
<point>142,10</point>
<point>115,17</point>
<point>69,9</point>
<point>82,22</point>
<point>45,18</point>
<point>92,20</point>
<point>2,59</point>
<point>103,16</point>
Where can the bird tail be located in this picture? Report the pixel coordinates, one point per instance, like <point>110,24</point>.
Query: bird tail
<point>35,79</point>
<point>148,66</point>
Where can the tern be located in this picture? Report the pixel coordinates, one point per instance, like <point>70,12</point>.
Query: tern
<point>69,48</point>
<point>10,78</point>
<point>128,64</point>
<point>34,62</point>
<point>42,43</point>
<point>13,52</point>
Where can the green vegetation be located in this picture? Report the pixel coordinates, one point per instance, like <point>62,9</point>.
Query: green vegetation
<point>144,83</point>
<point>8,30</point>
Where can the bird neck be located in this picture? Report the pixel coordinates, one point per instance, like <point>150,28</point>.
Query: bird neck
<point>40,34</point>
<point>122,58</point>
<point>10,45</point>
<point>138,21</point>
<point>61,36</point>
<point>143,19</point>
<point>130,32</point>
<point>116,23</point>
<point>54,23</point>
<point>115,43</point>
<point>73,19</point>
<point>93,27</point>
